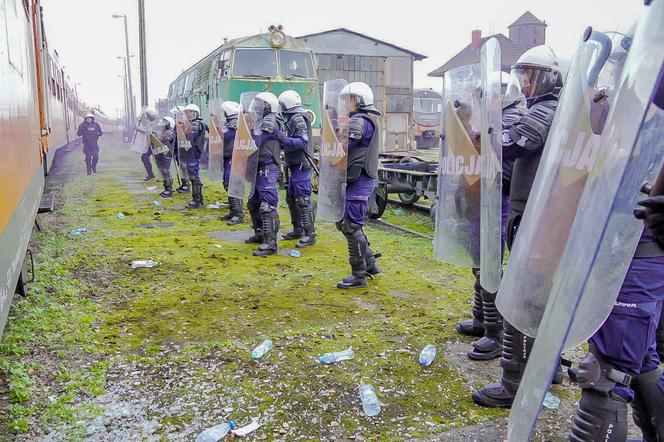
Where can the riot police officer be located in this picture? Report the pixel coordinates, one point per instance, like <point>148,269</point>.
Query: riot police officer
<point>231,111</point>
<point>537,74</point>
<point>263,202</point>
<point>151,115</point>
<point>166,136</point>
<point>90,131</point>
<point>178,156</point>
<point>298,152</point>
<point>363,149</point>
<point>195,132</point>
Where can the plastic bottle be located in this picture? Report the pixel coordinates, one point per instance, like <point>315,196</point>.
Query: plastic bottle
<point>370,402</point>
<point>78,231</point>
<point>143,263</point>
<point>156,203</point>
<point>263,348</point>
<point>216,433</point>
<point>427,355</point>
<point>337,356</point>
<point>551,401</point>
<point>120,215</point>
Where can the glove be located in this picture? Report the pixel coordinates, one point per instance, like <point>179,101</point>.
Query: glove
<point>282,136</point>
<point>652,214</point>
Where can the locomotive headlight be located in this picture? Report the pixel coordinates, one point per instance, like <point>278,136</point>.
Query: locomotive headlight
<point>277,39</point>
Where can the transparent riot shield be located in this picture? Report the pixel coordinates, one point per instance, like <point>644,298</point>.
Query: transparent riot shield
<point>604,234</point>
<point>141,141</point>
<point>156,134</point>
<point>491,182</point>
<point>182,128</point>
<point>458,210</point>
<point>216,142</point>
<point>333,154</point>
<point>570,152</point>
<point>244,163</point>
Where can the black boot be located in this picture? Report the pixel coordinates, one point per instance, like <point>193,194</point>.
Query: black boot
<point>516,349</point>
<point>600,417</point>
<point>648,405</point>
<point>229,214</point>
<point>95,160</point>
<point>296,218</point>
<point>237,215</point>
<point>474,327</point>
<point>270,230</point>
<point>307,212</point>
<point>196,195</point>
<point>373,268</point>
<point>490,345</point>
<point>184,187</point>
<point>357,253</point>
<point>168,188</point>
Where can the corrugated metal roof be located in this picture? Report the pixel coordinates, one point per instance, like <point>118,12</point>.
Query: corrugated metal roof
<point>510,53</point>
<point>415,55</point>
<point>527,19</point>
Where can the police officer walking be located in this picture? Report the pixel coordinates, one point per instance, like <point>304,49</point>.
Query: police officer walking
<point>231,111</point>
<point>298,152</point>
<point>90,131</point>
<point>363,149</point>
<point>166,136</point>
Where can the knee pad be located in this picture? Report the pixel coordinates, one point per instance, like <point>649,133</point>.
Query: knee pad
<point>600,417</point>
<point>598,374</point>
<point>348,227</point>
<point>266,207</point>
<point>302,201</point>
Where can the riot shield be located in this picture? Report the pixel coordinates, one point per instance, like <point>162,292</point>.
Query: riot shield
<point>182,128</point>
<point>491,182</point>
<point>569,155</point>
<point>458,210</point>
<point>157,132</point>
<point>604,233</point>
<point>141,140</point>
<point>216,143</point>
<point>244,163</point>
<point>333,154</point>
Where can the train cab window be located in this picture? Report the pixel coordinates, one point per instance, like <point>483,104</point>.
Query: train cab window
<point>255,63</point>
<point>427,105</point>
<point>224,64</point>
<point>296,64</point>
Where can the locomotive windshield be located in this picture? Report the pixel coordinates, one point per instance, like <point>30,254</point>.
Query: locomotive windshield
<point>427,105</point>
<point>296,64</point>
<point>255,63</point>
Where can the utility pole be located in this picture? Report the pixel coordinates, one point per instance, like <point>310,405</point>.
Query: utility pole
<point>141,42</point>
<point>132,103</point>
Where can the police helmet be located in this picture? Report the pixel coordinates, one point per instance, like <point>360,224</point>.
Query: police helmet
<point>269,102</point>
<point>536,73</point>
<point>290,102</point>
<point>231,108</point>
<point>361,97</point>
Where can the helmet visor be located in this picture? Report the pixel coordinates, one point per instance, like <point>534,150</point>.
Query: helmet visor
<point>529,82</point>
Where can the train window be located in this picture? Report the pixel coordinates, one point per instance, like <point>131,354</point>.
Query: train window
<point>224,64</point>
<point>424,105</point>
<point>255,63</point>
<point>398,72</point>
<point>296,64</point>
<point>14,35</point>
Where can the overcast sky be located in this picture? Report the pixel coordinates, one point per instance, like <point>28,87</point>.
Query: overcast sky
<point>181,32</point>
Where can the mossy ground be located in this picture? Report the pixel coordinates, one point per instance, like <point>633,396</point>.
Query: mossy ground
<point>174,341</point>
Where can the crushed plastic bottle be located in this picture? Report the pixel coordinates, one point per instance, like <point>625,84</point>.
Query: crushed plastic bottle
<point>427,355</point>
<point>263,348</point>
<point>156,203</point>
<point>143,263</point>
<point>215,205</point>
<point>78,231</point>
<point>337,356</point>
<point>151,188</point>
<point>551,401</point>
<point>247,429</point>
<point>295,253</point>
<point>120,215</point>
<point>216,433</point>
<point>370,402</point>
